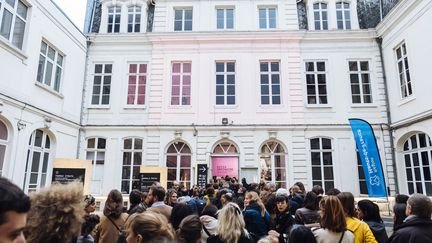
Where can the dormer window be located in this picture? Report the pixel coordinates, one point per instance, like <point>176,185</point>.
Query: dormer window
<point>114,15</point>
<point>134,19</point>
<point>343,15</point>
<point>320,16</point>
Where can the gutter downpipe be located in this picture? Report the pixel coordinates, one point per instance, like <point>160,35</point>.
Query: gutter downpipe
<point>389,120</point>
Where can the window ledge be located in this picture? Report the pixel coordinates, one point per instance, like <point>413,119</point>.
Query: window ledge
<point>49,89</point>
<point>13,50</point>
<point>135,107</point>
<point>326,106</point>
<point>371,105</point>
<point>406,100</point>
<point>99,107</point>
<point>225,107</point>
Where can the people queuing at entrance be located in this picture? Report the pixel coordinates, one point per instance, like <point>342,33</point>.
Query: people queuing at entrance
<point>224,211</point>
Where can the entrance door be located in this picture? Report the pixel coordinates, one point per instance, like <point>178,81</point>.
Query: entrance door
<point>225,160</point>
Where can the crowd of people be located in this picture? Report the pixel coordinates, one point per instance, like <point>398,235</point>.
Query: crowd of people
<point>224,211</point>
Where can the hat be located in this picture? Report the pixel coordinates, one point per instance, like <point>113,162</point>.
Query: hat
<point>282,192</point>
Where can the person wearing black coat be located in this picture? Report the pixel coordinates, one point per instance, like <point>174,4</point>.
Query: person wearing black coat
<point>284,220</point>
<point>417,227</point>
<point>369,212</point>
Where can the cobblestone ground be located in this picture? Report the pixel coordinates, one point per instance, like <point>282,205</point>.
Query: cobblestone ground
<point>388,222</point>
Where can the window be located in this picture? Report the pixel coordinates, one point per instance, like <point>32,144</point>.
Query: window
<point>134,19</point>
<point>225,83</point>
<point>114,14</point>
<point>343,15</point>
<point>101,84</point>
<point>403,68</point>
<point>322,163</point>
<point>270,83</point>
<point>132,160</point>
<point>417,152</point>
<point>137,84</point>
<point>316,83</point>
<point>13,17</point>
<point>182,19</point>
<point>225,18</point>
<point>361,175</point>
<point>360,82</point>
<point>38,157</point>
<point>3,144</point>
<point>178,162</point>
<point>95,151</point>
<point>267,17</point>
<point>320,16</point>
<point>272,160</point>
<point>50,66</point>
<point>181,83</point>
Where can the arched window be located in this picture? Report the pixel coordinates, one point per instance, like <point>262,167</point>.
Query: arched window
<point>272,160</point>
<point>225,160</point>
<point>38,157</point>
<point>3,144</point>
<point>132,160</point>
<point>114,15</point>
<point>225,148</point>
<point>322,163</point>
<point>320,16</point>
<point>343,15</point>
<point>417,151</point>
<point>178,161</point>
<point>95,152</point>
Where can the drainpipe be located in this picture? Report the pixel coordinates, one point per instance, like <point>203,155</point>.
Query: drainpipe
<point>389,120</point>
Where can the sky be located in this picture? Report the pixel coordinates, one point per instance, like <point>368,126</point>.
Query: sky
<point>75,10</point>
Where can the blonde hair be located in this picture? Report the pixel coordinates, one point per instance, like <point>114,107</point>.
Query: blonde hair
<point>151,226</point>
<point>254,198</point>
<point>231,223</point>
<point>56,213</point>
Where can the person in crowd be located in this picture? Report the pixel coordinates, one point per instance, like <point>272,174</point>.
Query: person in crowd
<point>301,187</point>
<point>14,206</point>
<point>332,221</point>
<point>113,219</point>
<point>210,195</point>
<point>209,221</point>
<point>284,220</point>
<point>268,197</point>
<point>417,227</point>
<point>369,212</point>
<point>240,197</point>
<point>296,199</point>
<point>135,200</point>
<point>190,230</point>
<point>361,230</point>
<point>56,213</point>
<point>269,239</point>
<point>309,214</point>
<point>318,190</point>
<point>231,228</point>
<point>171,197</point>
<point>90,222</point>
<point>149,227</point>
<point>399,210</point>
<point>333,192</point>
<point>301,233</point>
<point>176,186</point>
<point>178,213</point>
<point>226,198</point>
<point>145,199</point>
<point>156,196</point>
<point>257,219</point>
<point>90,204</point>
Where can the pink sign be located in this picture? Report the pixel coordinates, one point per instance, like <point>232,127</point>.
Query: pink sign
<point>225,166</point>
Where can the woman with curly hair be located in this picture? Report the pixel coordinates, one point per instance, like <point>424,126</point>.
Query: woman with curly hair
<point>56,213</point>
<point>149,227</point>
<point>112,220</point>
<point>171,197</point>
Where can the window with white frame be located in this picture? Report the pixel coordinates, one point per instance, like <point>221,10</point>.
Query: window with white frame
<point>320,16</point>
<point>270,83</point>
<point>114,16</point>
<point>225,83</point>
<point>224,18</point>
<point>360,82</point>
<point>403,69</point>
<point>267,17</point>
<point>101,84</point>
<point>134,19</point>
<point>417,152</point>
<point>95,151</point>
<point>322,163</point>
<point>132,160</point>
<point>13,20</point>
<point>137,79</point>
<point>178,162</point>
<point>316,83</point>
<point>183,19</point>
<point>50,67</point>
<point>343,15</point>
<point>181,83</point>
<point>38,157</point>
<point>3,144</point>
<point>272,162</point>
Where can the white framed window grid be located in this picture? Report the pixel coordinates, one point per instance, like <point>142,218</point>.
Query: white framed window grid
<point>322,162</point>
<point>95,151</point>
<point>114,18</point>
<point>225,83</point>
<point>3,144</point>
<point>181,76</point>
<point>361,92</point>
<point>267,17</point>
<point>137,81</point>
<point>132,160</point>
<point>13,20</point>
<point>320,16</point>
<point>134,19</point>
<point>270,84</point>
<point>50,66</point>
<point>183,19</point>
<point>343,15</point>
<point>225,18</point>
<point>316,82</point>
<point>102,84</point>
<point>403,70</point>
<point>178,162</point>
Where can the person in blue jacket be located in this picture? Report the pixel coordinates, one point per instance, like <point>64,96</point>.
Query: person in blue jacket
<point>256,217</point>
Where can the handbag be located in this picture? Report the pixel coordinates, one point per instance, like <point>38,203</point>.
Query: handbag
<point>121,235</point>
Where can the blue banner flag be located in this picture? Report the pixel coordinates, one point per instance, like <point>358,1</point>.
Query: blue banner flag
<point>370,157</point>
